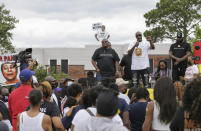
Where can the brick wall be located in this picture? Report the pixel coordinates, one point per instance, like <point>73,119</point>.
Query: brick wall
<point>157,58</point>
<point>76,71</point>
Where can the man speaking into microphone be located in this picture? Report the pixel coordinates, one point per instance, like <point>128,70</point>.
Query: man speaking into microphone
<point>140,59</point>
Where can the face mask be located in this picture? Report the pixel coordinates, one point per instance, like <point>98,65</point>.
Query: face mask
<point>70,83</point>
<point>5,99</point>
<point>54,85</point>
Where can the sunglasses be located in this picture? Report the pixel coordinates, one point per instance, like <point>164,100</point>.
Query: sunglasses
<point>138,35</point>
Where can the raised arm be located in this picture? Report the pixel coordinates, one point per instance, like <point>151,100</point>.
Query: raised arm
<point>108,36</point>
<point>152,46</point>
<point>96,36</point>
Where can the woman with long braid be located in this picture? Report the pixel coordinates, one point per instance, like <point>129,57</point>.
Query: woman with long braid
<point>188,117</point>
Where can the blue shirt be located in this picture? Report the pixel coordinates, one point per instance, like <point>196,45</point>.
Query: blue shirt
<point>67,121</point>
<point>137,115</point>
<point>123,106</point>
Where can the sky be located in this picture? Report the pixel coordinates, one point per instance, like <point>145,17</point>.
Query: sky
<point>68,23</point>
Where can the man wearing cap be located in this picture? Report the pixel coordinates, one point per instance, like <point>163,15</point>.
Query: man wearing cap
<point>179,53</point>
<point>18,99</point>
<point>122,89</point>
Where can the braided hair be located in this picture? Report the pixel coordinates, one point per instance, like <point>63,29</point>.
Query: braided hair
<point>192,99</point>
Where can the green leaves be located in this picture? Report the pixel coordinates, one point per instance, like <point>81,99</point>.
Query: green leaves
<point>7,24</point>
<point>172,16</point>
<point>41,72</point>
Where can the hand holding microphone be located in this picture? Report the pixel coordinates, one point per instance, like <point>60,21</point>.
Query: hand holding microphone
<point>137,44</point>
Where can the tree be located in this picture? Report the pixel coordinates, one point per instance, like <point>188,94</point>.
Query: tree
<point>197,32</point>
<point>40,73</point>
<point>58,75</point>
<point>172,16</point>
<point>7,24</point>
<point>197,36</point>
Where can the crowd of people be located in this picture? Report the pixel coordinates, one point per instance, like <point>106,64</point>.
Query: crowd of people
<point>117,99</point>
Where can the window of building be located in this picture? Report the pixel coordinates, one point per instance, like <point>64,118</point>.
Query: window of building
<point>64,66</point>
<point>53,65</point>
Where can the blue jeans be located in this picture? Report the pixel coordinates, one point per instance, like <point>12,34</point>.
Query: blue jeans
<point>98,77</point>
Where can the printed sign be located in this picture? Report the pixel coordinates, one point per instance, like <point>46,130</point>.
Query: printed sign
<point>9,73</point>
<point>96,26</point>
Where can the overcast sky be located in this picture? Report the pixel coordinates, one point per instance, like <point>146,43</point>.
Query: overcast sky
<point>68,23</point>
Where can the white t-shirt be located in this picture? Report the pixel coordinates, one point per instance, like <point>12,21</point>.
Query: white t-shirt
<point>84,115</point>
<point>125,97</point>
<point>190,71</point>
<point>99,124</point>
<point>140,58</point>
<point>102,35</point>
<point>66,109</point>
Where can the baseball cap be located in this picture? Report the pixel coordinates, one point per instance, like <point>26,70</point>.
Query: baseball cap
<point>180,35</point>
<point>120,81</point>
<point>50,78</point>
<point>25,75</point>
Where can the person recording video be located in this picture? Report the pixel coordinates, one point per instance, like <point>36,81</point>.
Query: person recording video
<point>25,60</point>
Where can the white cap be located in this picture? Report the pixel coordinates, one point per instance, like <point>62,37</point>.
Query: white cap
<point>120,81</point>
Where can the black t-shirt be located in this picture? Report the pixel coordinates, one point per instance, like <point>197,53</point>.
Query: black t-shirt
<point>126,63</point>
<point>4,111</point>
<point>50,109</point>
<point>180,50</point>
<point>106,61</point>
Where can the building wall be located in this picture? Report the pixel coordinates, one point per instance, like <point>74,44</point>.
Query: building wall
<point>79,59</point>
<point>157,58</point>
<point>78,71</point>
